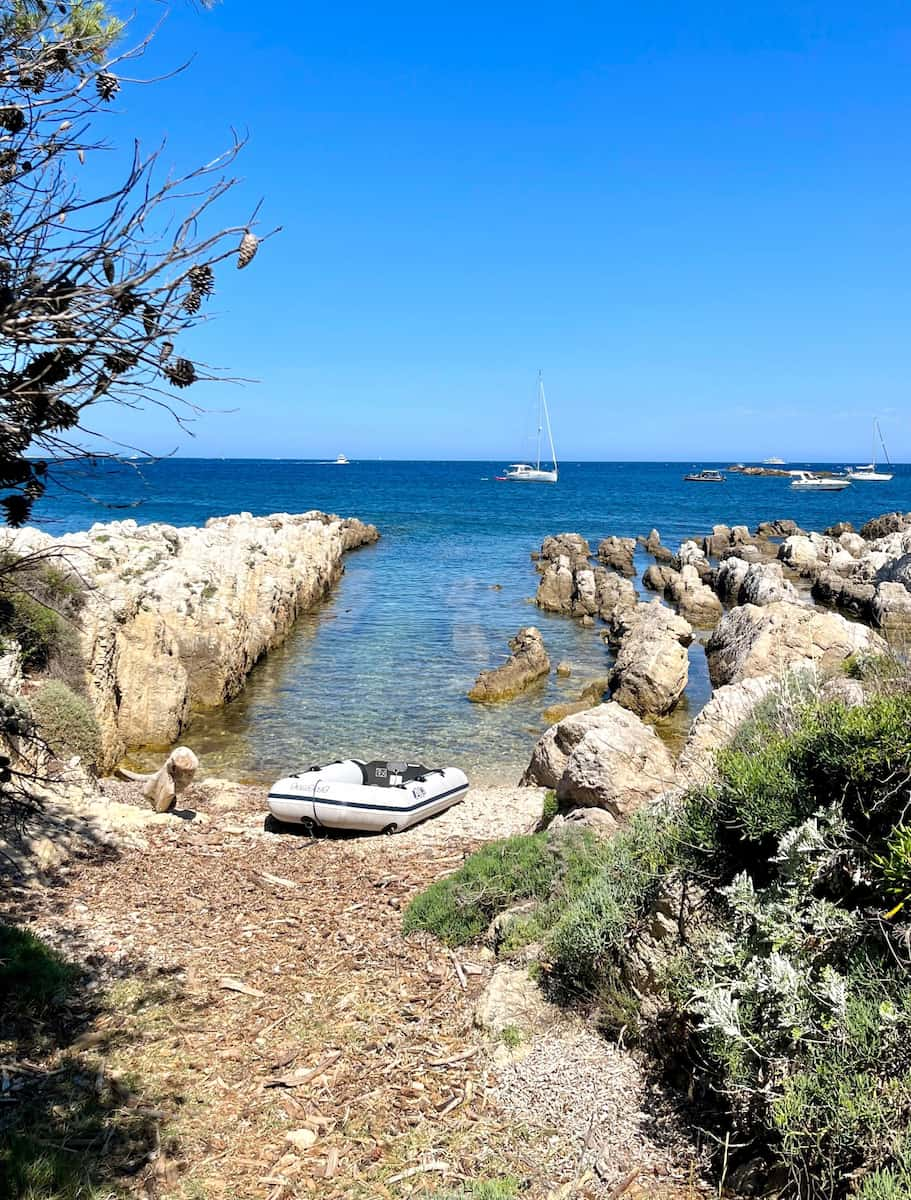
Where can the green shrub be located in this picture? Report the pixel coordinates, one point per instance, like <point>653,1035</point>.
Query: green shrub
<point>484,1189</point>
<point>39,602</point>
<point>459,908</point>
<point>67,722</point>
<point>549,808</point>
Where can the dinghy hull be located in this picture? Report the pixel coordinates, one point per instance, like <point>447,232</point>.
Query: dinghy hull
<point>339,796</point>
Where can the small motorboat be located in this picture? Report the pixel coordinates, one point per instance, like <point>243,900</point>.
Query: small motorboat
<point>808,482</point>
<point>704,477</point>
<point>377,797</point>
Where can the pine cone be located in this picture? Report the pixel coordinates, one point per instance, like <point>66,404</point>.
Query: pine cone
<point>192,303</point>
<point>127,302</point>
<point>120,361</point>
<point>108,268</point>
<point>246,251</point>
<point>182,373</point>
<point>106,85</point>
<point>12,118</point>
<point>201,279</point>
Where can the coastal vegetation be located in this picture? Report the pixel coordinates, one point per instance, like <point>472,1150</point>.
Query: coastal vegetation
<point>96,309</point>
<point>751,935</point>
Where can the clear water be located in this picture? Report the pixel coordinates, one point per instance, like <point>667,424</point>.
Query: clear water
<point>383,668</point>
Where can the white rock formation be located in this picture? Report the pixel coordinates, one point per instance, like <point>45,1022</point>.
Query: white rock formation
<point>176,618</point>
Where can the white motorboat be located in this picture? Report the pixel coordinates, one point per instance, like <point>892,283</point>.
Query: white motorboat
<point>704,476</point>
<point>378,797</point>
<point>525,472</point>
<point>341,461</point>
<point>868,472</point>
<point>808,482</point>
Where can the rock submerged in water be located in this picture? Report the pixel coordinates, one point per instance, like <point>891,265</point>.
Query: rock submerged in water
<point>617,553</point>
<point>527,663</point>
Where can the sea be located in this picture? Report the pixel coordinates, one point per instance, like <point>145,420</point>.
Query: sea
<point>383,668</point>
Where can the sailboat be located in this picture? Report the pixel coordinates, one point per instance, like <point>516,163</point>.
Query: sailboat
<point>868,473</point>
<point>524,472</point>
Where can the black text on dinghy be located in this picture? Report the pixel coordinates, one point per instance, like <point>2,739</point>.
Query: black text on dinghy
<point>378,796</point>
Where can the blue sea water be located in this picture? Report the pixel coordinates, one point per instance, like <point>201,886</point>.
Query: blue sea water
<point>383,668</point>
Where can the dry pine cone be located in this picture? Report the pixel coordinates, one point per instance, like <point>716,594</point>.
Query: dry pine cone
<point>106,85</point>
<point>182,373</point>
<point>246,251</point>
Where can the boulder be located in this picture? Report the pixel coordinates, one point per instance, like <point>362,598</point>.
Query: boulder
<point>799,553</point>
<point>771,529</point>
<point>553,747</point>
<point>557,586</point>
<point>897,570</point>
<point>511,999</point>
<point>838,529</point>
<point>617,553</point>
<point>564,669</point>
<point>690,555</point>
<point>659,578</point>
<point>591,694</point>
<point>573,545</point>
<point>893,522</point>
<point>764,583</point>
<point>852,542</point>
<point>652,666</point>
<point>578,590</point>
<point>850,693</point>
<point>891,607</point>
<point>728,708</point>
<point>695,600</point>
<point>717,541</point>
<point>729,579</point>
<point>751,641</point>
<point>840,591</point>
<point>618,765</point>
<point>527,663</point>
<point>653,546</point>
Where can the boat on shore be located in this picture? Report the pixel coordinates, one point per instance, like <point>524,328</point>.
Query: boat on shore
<point>374,797</point>
<point>806,481</point>
<point>868,473</point>
<point>525,472</point>
<point>704,476</point>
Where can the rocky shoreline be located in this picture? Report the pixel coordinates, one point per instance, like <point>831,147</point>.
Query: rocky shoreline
<point>174,618</point>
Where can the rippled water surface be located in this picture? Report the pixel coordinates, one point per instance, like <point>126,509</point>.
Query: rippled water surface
<point>383,668</point>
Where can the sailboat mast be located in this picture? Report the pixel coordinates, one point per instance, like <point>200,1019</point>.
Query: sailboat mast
<point>882,442</point>
<point>550,436</point>
<point>540,398</point>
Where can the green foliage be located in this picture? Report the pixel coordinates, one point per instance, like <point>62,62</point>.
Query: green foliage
<point>67,722</point>
<point>484,1189</point>
<point>459,908</point>
<point>894,864</point>
<point>549,808</point>
<point>511,1036</point>
<point>32,974</point>
<point>39,602</point>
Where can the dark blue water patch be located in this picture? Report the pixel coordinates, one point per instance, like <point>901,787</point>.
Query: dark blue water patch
<point>383,670</point>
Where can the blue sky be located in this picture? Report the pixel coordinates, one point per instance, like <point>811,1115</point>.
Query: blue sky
<point>694,217</point>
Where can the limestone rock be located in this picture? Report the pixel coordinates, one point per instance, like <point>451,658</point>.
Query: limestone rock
<point>770,529</point>
<point>175,619</point>
<point>10,668</point>
<point>729,706</point>
<point>564,669</point>
<point>695,600</point>
<point>691,555</point>
<point>557,587</point>
<point>842,690</point>
<point>764,583</point>
<point>852,542</point>
<point>618,765</point>
<point>893,522</point>
<point>891,607</point>
<point>836,591</point>
<point>597,821</point>
<point>653,546</point>
<point>729,579</point>
<point>839,528</point>
<point>617,553</point>
<point>896,571</point>
<point>527,663</point>
<point>511,999</point>
<point>652,665</point>
<point>751,641</point>
<point>553,748</point>
<point>571,545</point>
<point>658,577</point>
<point>591,694</point>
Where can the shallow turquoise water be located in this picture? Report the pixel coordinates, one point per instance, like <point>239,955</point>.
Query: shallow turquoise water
<point>383,669</point>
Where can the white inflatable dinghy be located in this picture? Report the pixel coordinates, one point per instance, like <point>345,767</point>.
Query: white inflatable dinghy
<point>375,796</point>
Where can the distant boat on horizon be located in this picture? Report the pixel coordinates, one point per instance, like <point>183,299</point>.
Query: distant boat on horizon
<point>704,476</point>
<point>773,462</point>
<point>341,461</point>
<point>524,472</point>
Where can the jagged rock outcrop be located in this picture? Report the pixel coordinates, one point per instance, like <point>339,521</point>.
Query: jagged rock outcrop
<point>653,546</point>
<point>527,663</point>
<point>590,695</point>
<point>764,583</point>
<point>696,602</point>
<point>771,529</point>
<point>556,744</point>
<point>890,607</point>
<point>839,591</point>
<point>691,554</point>
<point>10,668</point>
<point>716,724</point>
<point>617,553</point>
<point>751,641</point>
<point>570,545</point>
<point>652,665</point>
<point>577,589</point>
<point>175,619</point>
<point>724,537</point>
<point>893,522</point>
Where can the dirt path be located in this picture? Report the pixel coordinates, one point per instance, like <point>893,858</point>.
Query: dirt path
<point>264,1006</point>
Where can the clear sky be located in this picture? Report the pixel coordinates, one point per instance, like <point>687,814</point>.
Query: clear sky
<point>693,216</point>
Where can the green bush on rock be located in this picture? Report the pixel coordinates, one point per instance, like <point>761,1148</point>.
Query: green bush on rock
<point>67,722</point>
